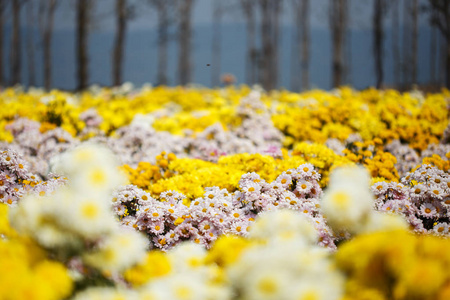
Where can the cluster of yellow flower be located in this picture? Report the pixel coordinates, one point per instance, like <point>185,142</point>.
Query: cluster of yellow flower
<point>190,176</point>
<point>395,265</point>
<point>314,116</point>
<point>385,261</point>
<point>28,271</point>
<point>318,115</point>
<point>380,164</point>
<point>323,158</point>
<point>437,161</point>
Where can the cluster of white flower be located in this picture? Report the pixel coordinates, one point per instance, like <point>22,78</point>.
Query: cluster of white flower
<point>287,263</point>
<point>77,220</point>
<point>189,278</point>
<point>15,179</point>
<point>348,204</point>
<point>37,147</point>
<point>169,221</point>
<point>423,197</point>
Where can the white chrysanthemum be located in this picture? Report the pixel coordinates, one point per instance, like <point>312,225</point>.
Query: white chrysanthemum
<point>106,293</point>
<point>267,284</point>
<point>187,256</point>
<point>118,252</point>
<point>379,221</point>
<point>24,218</point>
<point>328,287</point>
<point>283,226</point>
<point>89,216</point>
<point>347,202</point>
<point>284,267</point>
<point>38,218</point>
<point>148,293</point>
<point>355,175</point>
<point>313,261</point>
<point>80,157</point>
<point>98,177</point>
<point>89,166</point>
<point>181,286</point>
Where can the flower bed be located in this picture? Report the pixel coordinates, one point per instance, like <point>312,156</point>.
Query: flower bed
<point>177,193</point>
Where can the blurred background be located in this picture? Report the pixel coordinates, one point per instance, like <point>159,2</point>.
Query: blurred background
<point>291,44</point>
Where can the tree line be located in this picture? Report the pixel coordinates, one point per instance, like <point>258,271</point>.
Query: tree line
<point>263,23</point>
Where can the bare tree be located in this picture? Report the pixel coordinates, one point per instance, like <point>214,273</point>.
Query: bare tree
<point>248,8</point>
<point>2,20</point>
<point>440,17</point>
<point>47,10</point>
<point>30,43</point>
<point>338,24</point>
<point>184,41</point>
<point>433,51</point>
<point>123,13</point>
<point>301,10</point>
<point>378,39</point>
<point>395,40</point>
<point>16,49</point>
<point>163,8</point>
<point>216,42</point>
<point>270,14</point>
<point>406,45</point>
<point>83,20</point>
<point>276,39</point>
<point>414,39</point>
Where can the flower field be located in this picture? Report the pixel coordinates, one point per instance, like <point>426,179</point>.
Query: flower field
<point>233,193</point>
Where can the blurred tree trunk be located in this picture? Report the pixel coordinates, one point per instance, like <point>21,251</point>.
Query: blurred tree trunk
<point>30,44</point>
<point>338,24</point>
<point>270,37</point>
<point>252,52</point>
<point>276,40</point>
<point>378,41</point>
<point>184,42</point>
<point>2,20</point>
<point>294,65</point>
<point>395,40</point>
<point>216,43</point>
<point>47,42</point>
<point>83,7</point>
<point>117,58</point>
<point>267,47</point>
<point>162,7</point>
<point>406,68</point>
<point>305,27</point>
<point>433,51</point>
<point>302,45</point>
<point>16,50</point>
<point>440,17</point>
<point>414,39</point>
<point>348,47</point>
<point>447,78</point>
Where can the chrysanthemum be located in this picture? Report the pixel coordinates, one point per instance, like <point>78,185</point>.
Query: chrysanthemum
<point>347,206</point>
<point>427,210</point>
<point>284,179</point>
<point>89,216</point>
<point>436,192</point>
<point>417,192</point>
<point>119,251</point>
<point>303,186</point>
<point>157,227</point>
<point>441,228</point>
<point>265,283</point>
<point>251,187</point>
